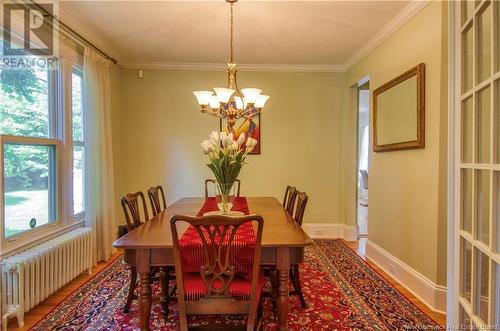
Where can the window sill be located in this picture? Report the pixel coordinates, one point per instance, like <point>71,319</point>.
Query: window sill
<point>11,248</point>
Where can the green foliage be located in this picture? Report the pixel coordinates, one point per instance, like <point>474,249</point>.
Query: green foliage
<point>12,200</point>
<point>77,87</point>
<point>22,84</point>
<point>24,111</point>
<point>26,167</point>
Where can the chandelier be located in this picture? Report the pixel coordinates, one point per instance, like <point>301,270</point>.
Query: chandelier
<point>230,102</point>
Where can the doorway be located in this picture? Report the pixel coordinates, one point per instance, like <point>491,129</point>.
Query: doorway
<point>363,158</point>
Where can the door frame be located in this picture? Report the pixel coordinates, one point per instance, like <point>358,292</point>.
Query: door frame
<point>353,182</point>
<point>453,258</point>
<point>360,85</point>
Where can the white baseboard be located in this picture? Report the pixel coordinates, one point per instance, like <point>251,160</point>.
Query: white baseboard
<point>328,230</point>
<point>433,295</point>
<point>350,233</point>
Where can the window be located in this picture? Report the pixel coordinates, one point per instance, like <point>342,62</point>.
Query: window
<point>24,102</point>
<point>78,141</point>
<point>29,150</point>
<point>30,186</point>
<point>41,152</point>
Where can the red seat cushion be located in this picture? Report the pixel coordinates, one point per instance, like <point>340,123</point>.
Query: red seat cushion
<point>195,289</point>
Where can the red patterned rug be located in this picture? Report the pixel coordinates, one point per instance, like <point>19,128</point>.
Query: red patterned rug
<point>342,291</point>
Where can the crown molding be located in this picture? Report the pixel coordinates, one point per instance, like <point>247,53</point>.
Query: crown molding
<point>414,7</point>
<point>241,67</point>
<point>87,34</point>
<point>392,26</point>
<point>399,20</point>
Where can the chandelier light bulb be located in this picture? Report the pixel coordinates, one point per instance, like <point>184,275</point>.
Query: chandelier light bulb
<point>261,100</point>
<point>251,94</point>
<point>223,94</point>
<point>203,97</point>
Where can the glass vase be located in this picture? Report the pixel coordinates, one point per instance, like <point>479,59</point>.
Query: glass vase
<point>225,196</point>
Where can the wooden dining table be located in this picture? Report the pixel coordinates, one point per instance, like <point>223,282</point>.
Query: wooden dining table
<point>283,243</point>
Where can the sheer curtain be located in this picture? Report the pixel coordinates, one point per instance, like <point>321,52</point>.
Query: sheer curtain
<point>99,179</point>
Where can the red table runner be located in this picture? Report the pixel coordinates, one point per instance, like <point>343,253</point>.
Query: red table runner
<point>241,251</point>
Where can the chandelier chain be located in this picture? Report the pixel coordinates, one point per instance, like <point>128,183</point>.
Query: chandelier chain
<point>231,38</point>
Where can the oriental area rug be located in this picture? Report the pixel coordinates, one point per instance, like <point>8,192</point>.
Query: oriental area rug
<point>342,292</point>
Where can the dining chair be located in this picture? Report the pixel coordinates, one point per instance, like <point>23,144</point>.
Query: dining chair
<point>131,208</point>
<point>217,288</point>
<point>154,198</point>
<point>214,182</point>
<point>301,207</point>
<point>285,197</point>
<point>289,199</point>
<point>294,268</point>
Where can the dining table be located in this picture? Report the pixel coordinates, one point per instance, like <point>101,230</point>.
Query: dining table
<point>149,245</point>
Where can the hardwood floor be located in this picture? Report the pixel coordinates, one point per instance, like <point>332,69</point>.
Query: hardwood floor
<point>37,313</point>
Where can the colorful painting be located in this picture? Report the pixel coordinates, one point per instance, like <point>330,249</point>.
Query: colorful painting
<point>250,126</point>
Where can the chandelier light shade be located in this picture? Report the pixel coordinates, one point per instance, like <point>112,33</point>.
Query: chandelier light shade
<point>251,94</point>
<point>230,102</point>
<point>261,101</point>
<point>203,97</point>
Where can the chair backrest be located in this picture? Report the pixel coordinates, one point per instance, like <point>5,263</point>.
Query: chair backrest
<point>130,205</point>
<point>289,200</point>
<point>364,178</point>
<point>219,268</point>
<point>301,207</point>
<point>154,198</point>
<point>285,197</point>
<point>214,182</point>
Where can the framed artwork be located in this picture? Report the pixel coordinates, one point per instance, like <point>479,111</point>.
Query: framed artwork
<point>399,112</point>
<point>250,126</point>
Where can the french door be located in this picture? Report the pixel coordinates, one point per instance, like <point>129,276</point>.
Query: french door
<point>477,163</point>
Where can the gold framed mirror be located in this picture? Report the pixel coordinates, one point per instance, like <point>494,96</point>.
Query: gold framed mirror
<point>399,112</point>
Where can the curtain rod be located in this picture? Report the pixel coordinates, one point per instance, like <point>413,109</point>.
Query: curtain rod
<point>75,34</point>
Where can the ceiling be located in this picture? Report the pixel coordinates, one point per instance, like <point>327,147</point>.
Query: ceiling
<point>266,32</point>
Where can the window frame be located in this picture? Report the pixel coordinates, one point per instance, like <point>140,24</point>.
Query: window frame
<point>27,141</point>
<point>78,69</point>
<point>61,136</point>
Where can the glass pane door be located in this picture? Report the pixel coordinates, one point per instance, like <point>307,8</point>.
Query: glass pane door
<point>478,165</point>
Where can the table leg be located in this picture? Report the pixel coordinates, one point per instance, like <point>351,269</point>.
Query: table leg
<point>283,267</point>
<point>144,269</point>
<point>145,299</point>
<point>164,283</point>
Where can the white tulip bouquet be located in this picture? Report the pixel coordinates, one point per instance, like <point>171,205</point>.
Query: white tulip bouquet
<point>227,155</point>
